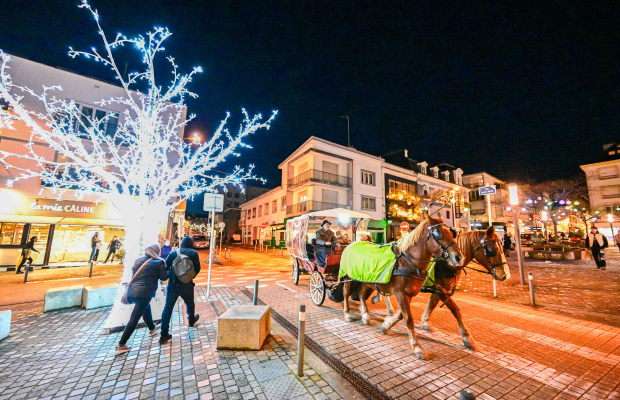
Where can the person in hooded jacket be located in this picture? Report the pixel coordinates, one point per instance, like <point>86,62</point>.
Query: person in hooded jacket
<point>177,288</point>
<point>142,289</point>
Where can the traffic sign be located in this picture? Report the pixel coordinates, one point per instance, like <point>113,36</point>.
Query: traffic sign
<point>213,202</point>
<point>263,225</point>
<point>482,190</point>
<point>222,225</point>
<point>404,226</point>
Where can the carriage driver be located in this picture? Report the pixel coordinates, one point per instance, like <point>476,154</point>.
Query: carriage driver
<point>324,238</point>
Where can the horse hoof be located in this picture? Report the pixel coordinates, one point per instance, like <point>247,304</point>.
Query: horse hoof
<point>470,344</point>
<point>366,319</point>
<point>421,353</point>
<point>428,328</point>
<point>385,329</point>
<point>348,318</point>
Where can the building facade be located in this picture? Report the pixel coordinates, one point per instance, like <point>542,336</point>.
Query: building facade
<point>64,228</point>
<point>603,179</point>
<point>322,175</point>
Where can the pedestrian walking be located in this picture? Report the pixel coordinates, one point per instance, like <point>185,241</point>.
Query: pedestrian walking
<point>166,249</point>
<point>146,271</point>
<point>507,244</point>
<point>112,247</point>
<point>597,242</point>
<point>94,247</point>
<point>177,260</point>
<point>26,254</point>
<point>617,239</point>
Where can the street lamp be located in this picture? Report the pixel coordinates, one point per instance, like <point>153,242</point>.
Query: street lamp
<point>514,202</point>
<point>545,216</point>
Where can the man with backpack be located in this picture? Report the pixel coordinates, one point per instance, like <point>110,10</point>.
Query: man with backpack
<point>183,265</point>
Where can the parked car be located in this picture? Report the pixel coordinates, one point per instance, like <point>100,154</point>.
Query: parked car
<point>200,242</point>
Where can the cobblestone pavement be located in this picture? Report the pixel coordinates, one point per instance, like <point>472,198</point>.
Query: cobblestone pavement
<point>65,355</point>
<point>523,352</point>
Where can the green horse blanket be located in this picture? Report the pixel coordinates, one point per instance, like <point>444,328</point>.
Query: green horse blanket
<point>371,263</point>
<point>368,262</point>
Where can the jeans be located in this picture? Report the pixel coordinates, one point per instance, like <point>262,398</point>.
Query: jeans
<point>186,292</point>
<point>321,255</point>
<point>21,264</point>
<point>94,254</point>
<point>596,255</point>
<point>110,253</point>
<point>141,309</point>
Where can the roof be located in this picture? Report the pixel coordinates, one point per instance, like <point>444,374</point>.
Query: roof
<point>327,142</point>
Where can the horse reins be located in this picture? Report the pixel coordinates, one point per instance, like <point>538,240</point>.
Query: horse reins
<point>486,253</point>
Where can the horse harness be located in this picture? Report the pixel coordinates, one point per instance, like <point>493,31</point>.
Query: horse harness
<point>488,252</point>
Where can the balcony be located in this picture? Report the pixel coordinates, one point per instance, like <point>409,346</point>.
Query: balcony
<point>311,205</point>
<point>314,175</point>
<point>611,196</point>
<point>605,177</point>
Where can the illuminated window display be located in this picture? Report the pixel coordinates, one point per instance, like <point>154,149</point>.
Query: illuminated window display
<point>73,242</point>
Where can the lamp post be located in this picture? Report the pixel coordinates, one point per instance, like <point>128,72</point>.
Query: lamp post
<point>610,218</point>
<point>545,216</point>
<point>514,202</point>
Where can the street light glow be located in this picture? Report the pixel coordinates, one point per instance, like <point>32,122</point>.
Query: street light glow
<point>610,218</point>
<point>544,216</point>
<point>514,195</point>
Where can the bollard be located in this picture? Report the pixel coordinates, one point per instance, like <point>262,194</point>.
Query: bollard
<point>532,296</point>
<point>91,269</point>
<point>26,273</point>
<point>229,255</point>
<point>255,297</point>
<point>466,395</point>
<point>494,287</point>
<point>301,337</point>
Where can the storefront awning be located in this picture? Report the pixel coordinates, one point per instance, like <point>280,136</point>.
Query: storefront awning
<point>34,219</point>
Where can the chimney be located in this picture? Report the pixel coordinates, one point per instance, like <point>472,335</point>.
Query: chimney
<point>406,153</point>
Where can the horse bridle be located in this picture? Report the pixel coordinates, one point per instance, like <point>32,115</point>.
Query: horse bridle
<point>435,233</point>
<point>488,254</point>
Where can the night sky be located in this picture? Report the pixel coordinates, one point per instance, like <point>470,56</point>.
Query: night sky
<point>524,93</point>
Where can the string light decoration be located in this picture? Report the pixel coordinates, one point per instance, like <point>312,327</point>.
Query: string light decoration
<point>145,169</point>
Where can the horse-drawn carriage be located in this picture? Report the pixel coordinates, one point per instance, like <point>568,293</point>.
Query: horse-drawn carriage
<point>301,244</point>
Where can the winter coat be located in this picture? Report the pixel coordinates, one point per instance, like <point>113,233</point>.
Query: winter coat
<point>94,241</point>
<point>165,250</point>
<point>186,249</point>
<point>596,241</point>
<point>145,284</point>
<point>113,246</point>
<point>507,242</point>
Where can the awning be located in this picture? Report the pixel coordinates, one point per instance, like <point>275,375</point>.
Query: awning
<point>376,225</point>
<point>337,212</point>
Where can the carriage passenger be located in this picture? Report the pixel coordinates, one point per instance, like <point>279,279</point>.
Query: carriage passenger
<point>324,238</point>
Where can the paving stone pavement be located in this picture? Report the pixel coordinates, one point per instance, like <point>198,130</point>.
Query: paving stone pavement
<point>523,353</point>
<point>66,355</point>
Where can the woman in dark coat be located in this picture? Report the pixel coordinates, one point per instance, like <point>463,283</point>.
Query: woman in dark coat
<point>26,254</point>
<point>507,243</point>
<point>141,290</point>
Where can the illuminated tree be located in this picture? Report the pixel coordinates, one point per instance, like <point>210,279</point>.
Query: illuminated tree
<point>145,169</point>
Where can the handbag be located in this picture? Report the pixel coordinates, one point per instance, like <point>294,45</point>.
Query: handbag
<point>125,299</point>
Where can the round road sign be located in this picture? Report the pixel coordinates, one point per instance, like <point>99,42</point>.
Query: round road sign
<point>263,226</point>
<point>404,226</point>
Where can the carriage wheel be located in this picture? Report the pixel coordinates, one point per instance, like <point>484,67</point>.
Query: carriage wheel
<point>295,271</point>
<point>317,288</point>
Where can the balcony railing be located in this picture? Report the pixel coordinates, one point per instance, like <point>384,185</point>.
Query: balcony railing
<point>611,196</point>
<point>604,177</point>
<point>314,175</point>
<point>311,205</point>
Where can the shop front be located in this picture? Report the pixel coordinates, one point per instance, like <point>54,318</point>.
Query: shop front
<point>64,228</point>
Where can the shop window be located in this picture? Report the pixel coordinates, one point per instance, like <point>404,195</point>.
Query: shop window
<point>11,234</point>
<point>72,243</point>
<point>42,232</point>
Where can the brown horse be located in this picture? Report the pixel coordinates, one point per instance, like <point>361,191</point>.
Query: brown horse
<point>414,252</point>
<point>486,249</point>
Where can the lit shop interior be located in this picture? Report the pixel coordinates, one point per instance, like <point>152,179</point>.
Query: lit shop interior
<point>57,243</point>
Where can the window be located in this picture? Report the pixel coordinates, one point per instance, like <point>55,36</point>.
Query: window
<point>274,209</point>
<point>435,173</point>
<point>236,204</point>
<point>11,234</point>
<point>447,214</point>
<point>260,211</point>
<point>108,121</point>
<point>369,203</point>
<point>266,208</point>
<point>283,203</point>
<point>611,153</point>
<point>423,169</point>
<point>229,194</point>
<point>447,175</point>
<point>368,178</point>
<point>228,204</point>
<point>236,195</point>
<point>254,212</point>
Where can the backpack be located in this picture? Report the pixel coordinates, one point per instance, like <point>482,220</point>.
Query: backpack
<point>183,268</point>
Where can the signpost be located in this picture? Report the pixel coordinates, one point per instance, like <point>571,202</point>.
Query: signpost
<point>404,226</point>
<point>488,191</point>
<point>214,202</point>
